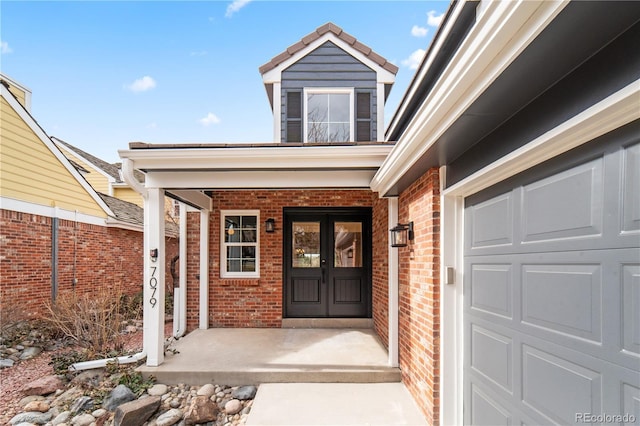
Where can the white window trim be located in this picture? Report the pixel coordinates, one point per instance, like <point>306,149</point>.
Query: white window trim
<point>223,246</point>
<point>318,90</point>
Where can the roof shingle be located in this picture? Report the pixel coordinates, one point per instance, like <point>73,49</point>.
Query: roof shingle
<point>319,32</point>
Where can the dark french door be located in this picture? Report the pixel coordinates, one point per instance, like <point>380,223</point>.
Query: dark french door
<point>327,255</point>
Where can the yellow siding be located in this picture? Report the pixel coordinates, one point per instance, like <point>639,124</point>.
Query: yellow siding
<point>128,194</point>
<point>97,180</point>
<point>30,172</point>
<point>19,94</point>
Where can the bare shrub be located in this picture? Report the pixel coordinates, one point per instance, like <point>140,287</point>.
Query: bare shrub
<point>13,320</point>
<point>93,320</point>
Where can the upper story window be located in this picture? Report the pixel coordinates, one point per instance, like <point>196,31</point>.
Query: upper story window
<point>240,251</point>
<point>329,115</point>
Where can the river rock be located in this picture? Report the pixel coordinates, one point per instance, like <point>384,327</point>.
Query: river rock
<point>136,412</point>
<point>83,420</point>
<point>207,390</point>
<point>118,396</point>
<point>43,386</point>
<point>6,363</point>
<point>169,418</point>
<point>39,406</point>
<point>30,352</point>
<point>31,417</point>
<point>201,410</point>
<point>81,404</point>
<point>232,407</point>
<point>157,390</point>
<point>244,392</point>
<point>61,418</point>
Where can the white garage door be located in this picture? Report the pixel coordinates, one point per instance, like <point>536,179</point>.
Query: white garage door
<point>552,293</point>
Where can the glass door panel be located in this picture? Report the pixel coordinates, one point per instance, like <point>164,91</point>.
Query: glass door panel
<point>347,237</point>
<point>305,245</point>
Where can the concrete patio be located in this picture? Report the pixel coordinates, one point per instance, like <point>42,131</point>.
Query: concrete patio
<point>241,356</point>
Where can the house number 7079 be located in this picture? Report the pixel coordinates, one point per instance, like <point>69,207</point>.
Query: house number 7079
<point>153,283</point>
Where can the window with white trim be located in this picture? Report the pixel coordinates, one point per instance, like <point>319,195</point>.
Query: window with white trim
<point>329,115</point>
<point>240,244</point>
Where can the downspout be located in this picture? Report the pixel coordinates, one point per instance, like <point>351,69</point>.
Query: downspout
<point>129,178</point>
<point>54,255</point>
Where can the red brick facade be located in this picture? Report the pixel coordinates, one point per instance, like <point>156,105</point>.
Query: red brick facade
<point>380,271</point>
<point>419,294</point>
<point>94,255</point>
<point>257,302</point>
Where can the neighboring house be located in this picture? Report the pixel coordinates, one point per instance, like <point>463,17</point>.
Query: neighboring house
<point>57,233</point>
<point>102,176</point>
<point>515,156</point>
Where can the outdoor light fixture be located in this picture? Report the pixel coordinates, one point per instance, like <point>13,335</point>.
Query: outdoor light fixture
<point>270,225</point>
<point>401,234</point>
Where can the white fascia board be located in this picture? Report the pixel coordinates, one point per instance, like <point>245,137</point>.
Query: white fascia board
<point>607,115</point>
<point>277,112</point>
<point>48,211</point>
<point>425,66</point>
<point>275,75</point>
<point>44,138</point>
<point>115,223</point>
<point>266,179</point>
<point>298,157</point>
<point>502,32</point>
<point>25,89</point>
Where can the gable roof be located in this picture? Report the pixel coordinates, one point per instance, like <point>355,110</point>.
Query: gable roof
<point>272,71</point>
<point>42,136</point>
<point>329,27</point>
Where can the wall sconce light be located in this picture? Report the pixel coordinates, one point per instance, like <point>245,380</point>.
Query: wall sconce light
<point>270,225</point>
<point>401,234</point>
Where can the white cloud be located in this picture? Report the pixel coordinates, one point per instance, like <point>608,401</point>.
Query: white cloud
<point>152,125</point>
<point>4,47</point>
<point>235,6</point>
<point>434,20</point>
<point>198,53</point>
<point>142,84</point>
<point>211,118</point>
<point>417,31</point>
<point>414,60</point>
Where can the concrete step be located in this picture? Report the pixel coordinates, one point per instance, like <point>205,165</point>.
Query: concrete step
<point>327,323</point>
<point>255,356</point>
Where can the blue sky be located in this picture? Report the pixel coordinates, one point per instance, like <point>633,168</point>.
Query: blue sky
<point>104,74</point>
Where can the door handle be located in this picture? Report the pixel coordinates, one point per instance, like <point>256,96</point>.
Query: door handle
<point>323,264</point>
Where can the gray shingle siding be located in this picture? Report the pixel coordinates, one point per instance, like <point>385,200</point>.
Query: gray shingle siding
<point>328,66</point>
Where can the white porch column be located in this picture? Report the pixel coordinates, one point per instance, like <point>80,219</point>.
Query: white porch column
<point>204,269</point>
<point>180,298</point>
<point>154,269</point>
<point>393,285</point>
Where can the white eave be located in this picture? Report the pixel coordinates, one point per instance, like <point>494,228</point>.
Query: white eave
<point>259,158</point>
<point>264,167</point>
<point>502,31</point>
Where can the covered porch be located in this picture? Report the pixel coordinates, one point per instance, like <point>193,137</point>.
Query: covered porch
<point>267,179</point>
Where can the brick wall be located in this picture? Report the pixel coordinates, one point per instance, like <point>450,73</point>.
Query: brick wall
<point>254,302</point>
<point>381,269</point>
<point>94,255</point>
<point>419,294</point>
